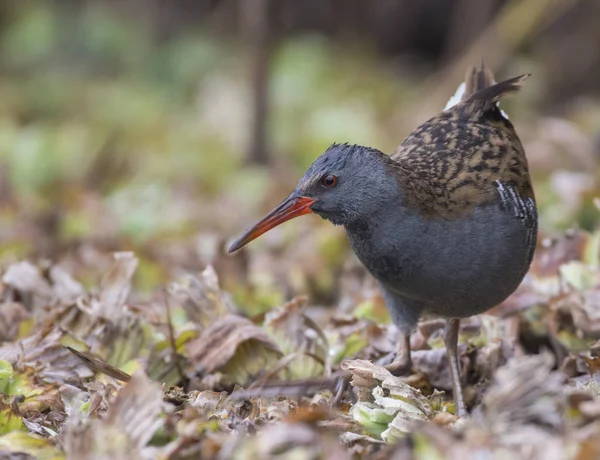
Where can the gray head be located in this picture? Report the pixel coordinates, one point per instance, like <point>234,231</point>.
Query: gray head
<point>347,184</point>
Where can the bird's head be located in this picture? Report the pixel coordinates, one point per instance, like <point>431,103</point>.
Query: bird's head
<point>345,185</point>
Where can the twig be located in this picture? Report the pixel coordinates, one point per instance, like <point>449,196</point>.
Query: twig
<point>273,389</point>
<point>97,364</point>
<point>257,21</point>
<point>174,355</point>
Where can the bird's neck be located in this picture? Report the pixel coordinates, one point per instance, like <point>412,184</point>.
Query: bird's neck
<point>382,211</point>
<point>359,228</point>
<point>380,197</point>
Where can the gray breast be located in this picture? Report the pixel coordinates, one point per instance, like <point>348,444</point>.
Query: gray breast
<point>455,267</point>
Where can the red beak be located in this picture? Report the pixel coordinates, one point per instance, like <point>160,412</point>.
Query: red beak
<point>292,206</point>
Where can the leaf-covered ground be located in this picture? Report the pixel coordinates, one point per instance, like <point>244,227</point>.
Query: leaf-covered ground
<point>95,373</point>
<point>125,332</point>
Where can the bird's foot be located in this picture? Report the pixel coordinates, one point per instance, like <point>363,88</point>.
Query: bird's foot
<point>399,366</point>
<point>342,385</point>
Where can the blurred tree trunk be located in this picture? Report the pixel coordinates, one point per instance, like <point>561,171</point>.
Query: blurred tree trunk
<point>469,19</point>
<point>256,23</point>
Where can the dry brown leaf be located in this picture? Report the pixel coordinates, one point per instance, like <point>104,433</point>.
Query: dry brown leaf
<point>207,401</point>
<point>489,358</point>
<point>202,298</point>
<point>66,289</point>
<point>27,279</point>
<point>551,253</point>
<point>585,309</point>
<point>115,287</point>
<point>294,332</point>
<point>525,392</point>
<point>284,439</point>
<point>434,364</point>
<point>236,347</point>
<point>126,429</point>
<point>11,316</point>
<point>43,352</point>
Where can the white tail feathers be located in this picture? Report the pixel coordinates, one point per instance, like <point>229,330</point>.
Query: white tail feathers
<point>458,95</point>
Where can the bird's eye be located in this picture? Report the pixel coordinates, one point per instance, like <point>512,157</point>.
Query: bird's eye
<point>329,180</point>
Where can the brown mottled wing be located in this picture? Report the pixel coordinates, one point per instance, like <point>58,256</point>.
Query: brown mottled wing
<point>459,159</point>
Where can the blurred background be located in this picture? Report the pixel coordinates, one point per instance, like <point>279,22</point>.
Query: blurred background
<point>167,127</point>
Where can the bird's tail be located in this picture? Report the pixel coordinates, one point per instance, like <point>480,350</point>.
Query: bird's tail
<point>492,94</point>
<point>475,80</point>
<point>482,91</point>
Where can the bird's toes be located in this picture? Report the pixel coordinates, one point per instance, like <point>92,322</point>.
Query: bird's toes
<point>399,368</point>
<point>341,386</point>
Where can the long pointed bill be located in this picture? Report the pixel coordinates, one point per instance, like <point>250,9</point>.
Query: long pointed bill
<point>292,206</point>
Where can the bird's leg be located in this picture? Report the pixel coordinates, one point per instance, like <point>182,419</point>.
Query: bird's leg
<point>342,385</point>
<point>451,341</point>
<point>402,364</point>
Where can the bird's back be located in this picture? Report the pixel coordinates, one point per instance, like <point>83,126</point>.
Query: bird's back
<point>457,160</point>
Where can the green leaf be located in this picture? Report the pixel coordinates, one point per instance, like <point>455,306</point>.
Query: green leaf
<point>24,443</point>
